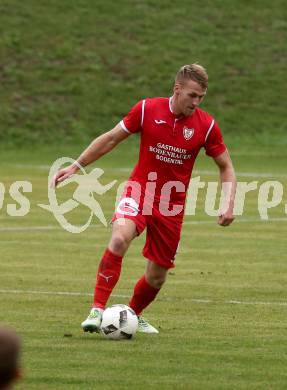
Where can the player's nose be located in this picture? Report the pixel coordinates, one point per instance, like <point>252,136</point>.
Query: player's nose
<point>195,102</point>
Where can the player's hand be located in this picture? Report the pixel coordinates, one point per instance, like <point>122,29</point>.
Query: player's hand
<point>63,174</point>
<point>225,219</point>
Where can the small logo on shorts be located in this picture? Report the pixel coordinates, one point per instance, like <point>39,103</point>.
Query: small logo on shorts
<point>187,133</point>
<point>128,206</point>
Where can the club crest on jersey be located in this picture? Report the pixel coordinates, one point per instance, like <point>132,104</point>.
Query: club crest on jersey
<point>187,133</point>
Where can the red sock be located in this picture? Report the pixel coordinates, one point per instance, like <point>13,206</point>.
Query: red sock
<point>144,294</point>
<point>108,274</point>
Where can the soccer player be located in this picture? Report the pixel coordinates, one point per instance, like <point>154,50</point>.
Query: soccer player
<point>173,130</point>
<point>9,358</point>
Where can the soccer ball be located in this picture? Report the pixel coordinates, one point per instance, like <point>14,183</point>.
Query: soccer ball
<point>119,322</point>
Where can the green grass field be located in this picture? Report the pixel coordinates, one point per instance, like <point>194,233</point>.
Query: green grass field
<point>221,314</point>
<point>71,69</point>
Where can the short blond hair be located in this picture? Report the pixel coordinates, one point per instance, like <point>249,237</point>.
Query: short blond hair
<point>193,72</point>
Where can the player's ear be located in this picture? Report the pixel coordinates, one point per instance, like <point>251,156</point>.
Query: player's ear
<point>176,89</point>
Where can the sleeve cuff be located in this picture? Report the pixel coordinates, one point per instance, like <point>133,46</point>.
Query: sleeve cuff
<point>217,152</point>
<point>123,126</point>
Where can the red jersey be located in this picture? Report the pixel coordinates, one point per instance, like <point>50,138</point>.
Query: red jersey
<point>170,144</point>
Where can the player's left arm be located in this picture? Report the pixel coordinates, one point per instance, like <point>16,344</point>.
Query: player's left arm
<point>228,183</point>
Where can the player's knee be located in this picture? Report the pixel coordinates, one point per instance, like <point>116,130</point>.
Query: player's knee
<point>118,244</point>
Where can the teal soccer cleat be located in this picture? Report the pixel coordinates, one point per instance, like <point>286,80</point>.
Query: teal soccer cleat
<point>145,327</point>
<point>93,322</point>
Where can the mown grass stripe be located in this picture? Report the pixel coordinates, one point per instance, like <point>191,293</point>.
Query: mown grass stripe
<point>195,300</point>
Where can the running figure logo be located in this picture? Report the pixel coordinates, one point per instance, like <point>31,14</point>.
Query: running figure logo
<point>88,185</point>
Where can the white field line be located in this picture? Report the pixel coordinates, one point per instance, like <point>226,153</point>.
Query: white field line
<point>195,172</point>
<point>28,228</point>
<point>204,301</point>
<point>237,220</point>
<point>55,227</point>
<point>37,228</point>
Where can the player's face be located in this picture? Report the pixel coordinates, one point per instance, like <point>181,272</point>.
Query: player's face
<point>188,96</point>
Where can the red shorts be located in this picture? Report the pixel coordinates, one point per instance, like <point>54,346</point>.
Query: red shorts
<point>162,232</point>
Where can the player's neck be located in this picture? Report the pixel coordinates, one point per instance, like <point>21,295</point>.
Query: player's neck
<point>174,108</point>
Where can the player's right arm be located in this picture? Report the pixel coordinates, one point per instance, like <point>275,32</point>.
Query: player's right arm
<point>99,147</point>
<point>103,144</point>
